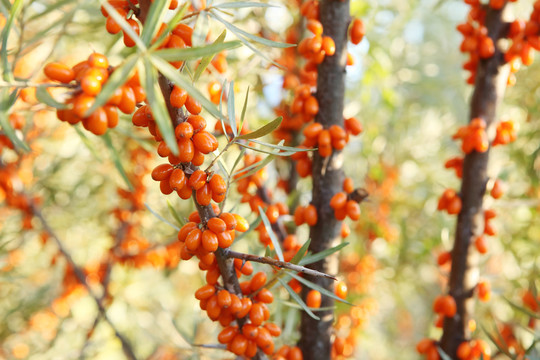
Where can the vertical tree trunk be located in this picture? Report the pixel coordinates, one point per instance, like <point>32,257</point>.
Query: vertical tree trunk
<point>327,176</point>
<point>489,89</point>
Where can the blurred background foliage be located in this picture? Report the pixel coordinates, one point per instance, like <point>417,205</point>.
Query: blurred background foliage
<point>408,89</point>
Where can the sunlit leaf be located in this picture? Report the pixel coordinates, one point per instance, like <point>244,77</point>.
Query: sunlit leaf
<point>154,19</point>
<point>196,52</point>
<point>244,108</point>
<point>14,12</point>
<point>7,101</point>
<point>262,131</point>
<point>272,234</point>
<point>309,259</point>
<point>320,289</point>
<point>155,99</point>
<point>175,214</point>
<point>44,97</point>
<point>301,253</point>
<point>242,4</point>
<point>205,61</point>
<point>253,168</point>
<point>231,109</point>
<point>116,159</point>
<point>297,298</point>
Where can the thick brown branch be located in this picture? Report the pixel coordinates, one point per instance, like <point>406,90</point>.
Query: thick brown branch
<point>489,88</point>
<point>315,340</point>
<point>276,263</point>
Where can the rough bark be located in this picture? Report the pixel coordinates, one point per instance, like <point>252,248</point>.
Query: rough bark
<point>489,88</point>
<point>328,177</point>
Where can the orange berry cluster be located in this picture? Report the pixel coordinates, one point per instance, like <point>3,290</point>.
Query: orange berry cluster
<point>449,202</point>
<point>445,306</point>
<point>89,77</point>
<point>473,350</point>
<point>455,163</point>
<point>288,353</point>
<point>525,37</point>
<point>226,307</point>
<point>473,136</point>
<point>343,205</point>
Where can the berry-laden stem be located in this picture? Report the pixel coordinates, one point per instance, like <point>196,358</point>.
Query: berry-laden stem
<point>328,176</point>
<point>489,89</point>
<point>225,263</point>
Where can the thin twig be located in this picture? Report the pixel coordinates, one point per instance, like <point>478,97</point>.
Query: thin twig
<point>79,273</point>
<point>276,263</point>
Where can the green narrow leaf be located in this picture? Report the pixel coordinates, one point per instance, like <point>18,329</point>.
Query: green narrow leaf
<point>262,131</point>
<point>44,97</point>
<point>117,79</point>
<point>244,108</point>
<point>8,101</point>
<point>49,9</point>
<point>205,61</point>
<point>120,20</point>
<point>522,309</point>
<point>297,298</point>
<point>116,159</point>
<point>157,11</point>
<point>495,342</point>
<point>200,29</point>
<point>155,99</point>
<point>320,289</point>
<point>242,4</point>
<point>13,13</point>
<point>276,153</point>
<point>87,142</point>
<point>231,109</point>
<point>196,52</point>
<point>172,74</point>
<point>253,168</point>
<point>301,253</point>
<point>252,37</point>
<point>222,121</point>
<point>279,146</point>
<point>321,255</point>
<point>175,214</point>
<point>161,217</point>
<point>273,237</point>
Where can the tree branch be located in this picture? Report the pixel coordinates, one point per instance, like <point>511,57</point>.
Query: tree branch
<point>489,89</point>
<point>315,341</point>
<point>276,263</point>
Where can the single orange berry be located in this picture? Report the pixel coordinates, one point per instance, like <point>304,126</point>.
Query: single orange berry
<point>314,299</point>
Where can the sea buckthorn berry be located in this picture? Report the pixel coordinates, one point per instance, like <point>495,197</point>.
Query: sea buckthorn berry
<point>198,157</point>
<point>195,217</point>
<point>295,354</point>
<point>299,215</point>
<point>224,299</point>
<point>265,296</point>
<point>226,335</point>
<point>163,150</point>
<point>216,225</point>
<point>311,106</point>
<point>484,291</point>
<point>82,104</point>
<point>341,290</point>
<point>140,94</point>
<point>353,210</point>
<point>250,331</point>
<point>112,26</point>
<point>312,130</point>
<point>497,189</point>
<point>178,97</point>
<point>357,31</point>
<point>480,244</point>
<point>193,240</point>
<point>90,85</point>
<point>212,308</point>
<point>204,195</point>
<point>98,60</point>
<point>176,42</point>
<point>164,187</point>
<point>112,116</point>
<point>205,142</point>
<point>185,230</point>
<point>128,102</point>
<point>273,329</point>
<point>218,185</point>
<point>212,276</point>
<point>256,314</point>
<point>128,40</point>
<point>353,126</point>
<point>251,349</point>
<point>185,32</point>
<point>315,27</point>
<point>444,258</point>
<point>239,345</point>
<point>328,45</point>
<point>96,122</point>
<point>257,281</point>
<point>197,122</point>
<point>310,215</point>
<point>184,130</point>
<point>464,350</point>
<point>348,185</point>
<point>193,106</point>
<point>272,213</point>
<point>186,150</point>
<point>339,200</point>
<point>345,230</point>
<point>225,239</point>
<point>162,172</point>
<point>59,72</point>
<point>209,240</point>
<point>205,292</point>
<point>197,180</point>
<point>242,224</point>
<point>313,299</point>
